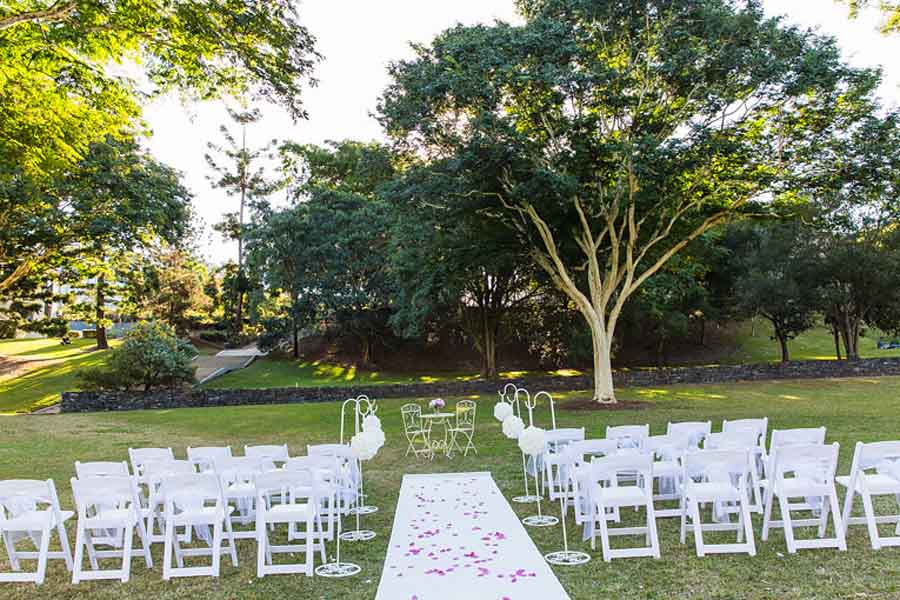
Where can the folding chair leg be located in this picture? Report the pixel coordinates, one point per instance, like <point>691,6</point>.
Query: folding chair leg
<point>79,553</point>
<point>42,555</point>
<point>838,524</point>
<point>168,550</point>
<point>874,536</point>
<point>217,547</point>
<point>767,516</point>
<point>698,531</point>
<point>145,543</point>
<point>683,507</point>
<point>232,551</point>
<point>126,554</point>
<point>10,546</point>
<point>604,536</point>
<point>64,544</point>
<point>91,551</point>
<point>652,533</point>
<point>848,508</point>
<point>788,524</point>
<point>748,526</point>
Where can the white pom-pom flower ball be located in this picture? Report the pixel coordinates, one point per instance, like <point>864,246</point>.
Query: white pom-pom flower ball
<point>371,422</point>
<point>513,427</point>
<point>364,445</point>
<point>502,410</point>
<point>533,441</point>
<point>377,436</point>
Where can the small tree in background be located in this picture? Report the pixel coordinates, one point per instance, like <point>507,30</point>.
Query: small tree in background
<point>151,356</point>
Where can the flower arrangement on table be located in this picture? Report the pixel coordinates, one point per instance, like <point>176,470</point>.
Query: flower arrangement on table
<point>437,404</point>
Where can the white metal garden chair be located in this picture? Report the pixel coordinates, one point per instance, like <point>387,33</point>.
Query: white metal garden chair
<point>805,471</point>
<point>718,477</point>
<point>237,475</point>
<point>607,495</point>
<point>464,427</point>
<point>300,489</point>
<point>274,454</point>
<point>415,431</point>
<point>628,436</point>
<point>104,503</point>
<point>195,500</point>
<point>204,457</point>
<point>30,509</point>
<point>873,473</point>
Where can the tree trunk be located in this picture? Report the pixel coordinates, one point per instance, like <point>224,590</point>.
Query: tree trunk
<point>100,314</point>
<point>489,353</point>
<point>851,337</point>
<point>296,340</point>
<point>603,381</point>
<point>367,350</point>
<point>837,341</point>
<point>782,340</point>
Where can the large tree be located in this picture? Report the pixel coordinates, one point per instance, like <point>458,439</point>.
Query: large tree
<point>240,170</point>
<point>624,130</point>
<point>127,201</point>
<point>61,89</point>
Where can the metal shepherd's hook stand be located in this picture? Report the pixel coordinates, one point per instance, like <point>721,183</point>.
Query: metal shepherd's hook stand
<point>528,498</point>
<point>564,557</point>
<point>362,407</point>
<point>538,520</point>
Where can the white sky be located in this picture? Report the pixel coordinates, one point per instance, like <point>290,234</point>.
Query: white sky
<point>359,39</point>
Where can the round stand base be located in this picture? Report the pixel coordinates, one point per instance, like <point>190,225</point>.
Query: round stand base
<point>525,499</point>
<point>567,558</point>
<point>540,521</point>
<point>358,535</point>
<point>363,510</point>
<point>336,569</point>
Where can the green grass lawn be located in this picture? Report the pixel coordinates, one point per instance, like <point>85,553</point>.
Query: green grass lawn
<point>44,348</point>
<point>282,372</point>
<point>853,410</point>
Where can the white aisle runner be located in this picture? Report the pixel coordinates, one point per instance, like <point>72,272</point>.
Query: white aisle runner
<point>456,537</point>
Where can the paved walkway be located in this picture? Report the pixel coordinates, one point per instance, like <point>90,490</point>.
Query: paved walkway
<point>209,367</point>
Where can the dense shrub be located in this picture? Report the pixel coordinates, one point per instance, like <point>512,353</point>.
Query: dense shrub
<point>150,356</point>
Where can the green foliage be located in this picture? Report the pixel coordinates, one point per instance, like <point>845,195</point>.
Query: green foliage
<point>150,356</point>
<point>58,94</point>
<point>889,9</point>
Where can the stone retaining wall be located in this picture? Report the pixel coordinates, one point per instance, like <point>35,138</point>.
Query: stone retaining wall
<point>814,369</point>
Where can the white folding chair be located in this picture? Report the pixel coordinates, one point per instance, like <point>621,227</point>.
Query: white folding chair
<point>238,475</point>
<point>579,455</point>
<point>695,431</point>
<point>190,501</point>
<point>300,489</point>
<point>101,469</point>
<point>667,452</point>
<point>553,461</point>
<point>747,440</point>
<point>107,502</point>
<point>30,508</point>
<point>415,431</point>
<point>812,469</point>
<point>761,427</point>
<point>204,457</point>
<point>464,427</point>
<point>718,477</point>
<point>329,488</point>
<point>348,471</point>
<point>873,473</point>
<point>140,457</point>
<point>607,495</point>
<point>273,454</point>
<point>628,436</point>
<point>801,436</point>
<point>153,474</point>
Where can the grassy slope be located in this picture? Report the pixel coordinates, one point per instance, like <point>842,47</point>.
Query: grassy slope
<point>815,344</point>
<point>859,409</point>
<point>42,386</point>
